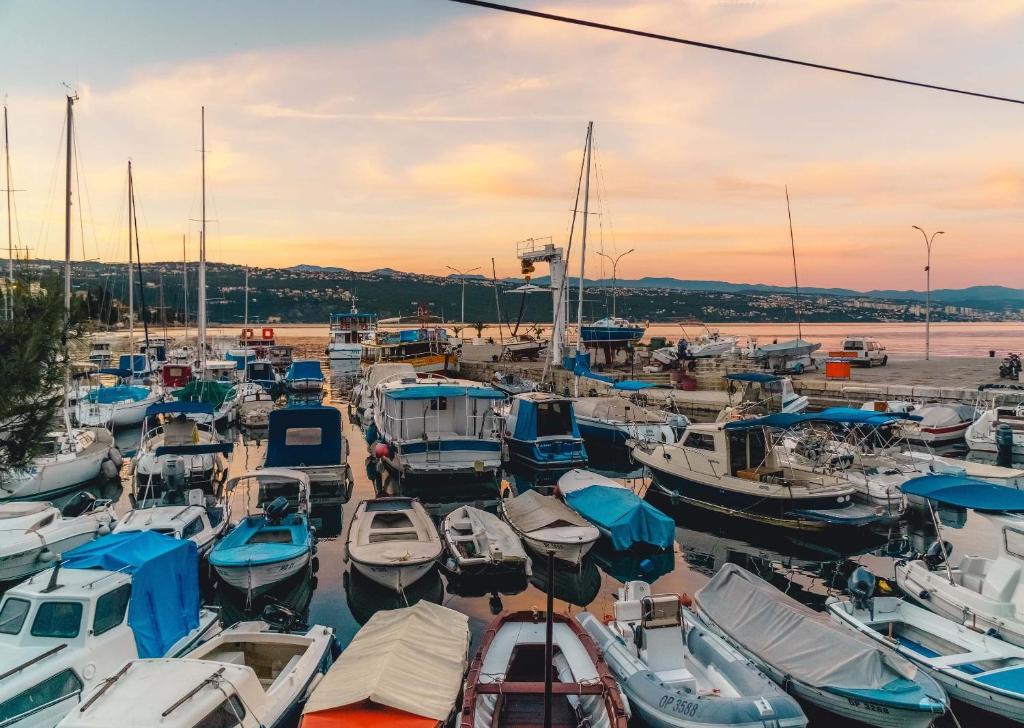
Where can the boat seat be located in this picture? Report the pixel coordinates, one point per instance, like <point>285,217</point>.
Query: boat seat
<point>233,657</point>
<point>628,611</point>
<point>1000,580</point>
<point>972,572</point>
<point>680,678</point>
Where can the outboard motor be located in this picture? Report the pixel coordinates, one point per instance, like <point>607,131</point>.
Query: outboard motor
<point>276,509</point>
<point>861,586</point>
<point>81,503</point>
<point>1004,445</point>
<point>281,617</point>
<point>936,555</point>
<point>173,473</point>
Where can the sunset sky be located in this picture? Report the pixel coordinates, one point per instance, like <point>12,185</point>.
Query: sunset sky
<point>416,134</point>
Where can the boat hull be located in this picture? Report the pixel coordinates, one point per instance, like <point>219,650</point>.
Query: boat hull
<point>611,334</point>
<point>598,432</point>
<point>396,577</point>
<point>260,578</point>
<point>345,352</point>
<point>452,457</point>
<point>554,453</point>
<point>55,478</point>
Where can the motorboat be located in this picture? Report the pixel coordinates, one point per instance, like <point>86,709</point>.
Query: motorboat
<point>512,384</point>
<point>251,675</point>
<point>426,349</point>
<point>975,668</point>
<point>119,405</point>
<point>793,355</point>
<point>710,344</point>
<point>621,516</point>
<point>986,594</point>
<point>263,373</point>
<point>436,426</point>
<point>180,450</point>
<point>614,420</point>
<point>676,672</point>
<point>69,458</point>
<point>505,684</point>
<point>142,368</point>
<point>513,347</point>
<point>933,424</point>
<point>815,659</point>
<point>304,375</point>
<point>481,544</point>
<point>541,431</point>
<point>393,541</point>
<point>280,355</point>
<point>404,668</point>
<point>194,515</point>
<point>997,406</point>
<point>175,375</point>
<point>274,541</point>
<point>101,352</point>
<point>546,525</point>
<point>34,533</point>
<point>221,395</point>
<point>254,407</point>
<point>347,332</point>
<point>763,394</point>
<point>361,397</point>
<point>734,468</point>
<point>71,628</point>
<point>612,330</point>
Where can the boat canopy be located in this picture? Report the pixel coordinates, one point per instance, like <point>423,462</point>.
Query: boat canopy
<point>175,408</point>
<point>305,369</point>
<point>545,418</point>
<point>627,519</point>
<point>758,377</point>
<point>134,363</point>
<point>118,393</point>
<point>433,391</point>
<point>411,659</point>
<point>164,604</point>
<point>836,415</point>
<point>531,511</point>
<point>956,490</point>
<point>204,391</point>
<point>113,371</point>
<point>633,385</point>
<point>240,358</point>
<point>303,435</point>
<point>793,638</point>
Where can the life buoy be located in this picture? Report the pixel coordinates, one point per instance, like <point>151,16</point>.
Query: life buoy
<point>247,333</point>
<point>268,333</point>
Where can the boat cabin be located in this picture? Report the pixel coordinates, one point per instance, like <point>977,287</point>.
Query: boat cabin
<point>221,370</point>
<point>541,429</point>
<point>140,365</point>
<point>280,355</point>
<point>308,438</point>
<point>763,394</point>
<point>256,338</point>
<point>173,376</point>
<point>351,327</point>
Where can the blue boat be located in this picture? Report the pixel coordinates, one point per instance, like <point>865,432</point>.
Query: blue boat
<point>139,367</point>
<point>619,514</point>
<point>541,431</point>
<point>612,331</point>
<point>274,542</point>
<point>304,375</point>
<point>262,372</point>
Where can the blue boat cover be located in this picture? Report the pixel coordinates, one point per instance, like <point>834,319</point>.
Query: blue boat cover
<point>759,377</point>
<point>633,385</point>
<point>409,335</point>
<point>240,359</point>
<point>323,448</point>
<point>119,373</point>
<point>526,420</point>
<point>304,370</point>
<point>164,604</point>
<point>627,519</point>
<point>580,367</point>
<point>956,490</point>
<point>134,364</point>
<point>175,408</point>
<point>835,415</point>
<point>119,393</point>
<point>430,391</point>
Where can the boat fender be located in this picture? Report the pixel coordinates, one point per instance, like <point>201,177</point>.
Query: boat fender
<point>115,456</point>
<point>315,564</point>
<point>109,469</point>
<point>380,450</point>
<point>46,556</point>
<point>924,594</point>
<point>102,529</point>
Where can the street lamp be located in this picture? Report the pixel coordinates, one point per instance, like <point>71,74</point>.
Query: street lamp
<point>463,275</point>
<point>615,268</point>
<point>928,294</point>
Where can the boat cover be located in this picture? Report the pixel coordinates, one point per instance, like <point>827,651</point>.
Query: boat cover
<point>627,519</point>
<point>758,377</point>
<point>616,409</point>
<point>134,363</point>
<point>526,418</point>
<point>411,659</point>
<point>791,347</point>
<point>956,490</point>
<point>793,638</point>
<point>303,436</point>
<point>531,511</point>
<point>434,391</point>
<point>164,604</point>
<point>117,393</point>
<point>834,415</point>
<point>633,385</point>
<point>206,391</point>
<point>240,359</point>
<point>304,370</point>
<point>502,538</point>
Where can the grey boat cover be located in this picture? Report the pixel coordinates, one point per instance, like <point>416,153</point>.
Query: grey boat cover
<point>532,511</point>
<point>616,409</point>
<point>793,638</point>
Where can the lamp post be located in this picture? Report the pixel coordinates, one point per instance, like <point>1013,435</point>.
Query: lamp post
<point>928,293</point>
<point>615,268</point>
<point>463,274</point>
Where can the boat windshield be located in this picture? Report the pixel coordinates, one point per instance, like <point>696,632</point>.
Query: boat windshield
<point>57,619</point>
<point>12,615</point>
<point>554,419</point>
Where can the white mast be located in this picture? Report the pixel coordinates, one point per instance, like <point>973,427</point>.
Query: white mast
<point>67,206</point>
<point>246,324</point>
<point>131,279</point>
<point>580,348</point>
<point>201,313</point>
<point>184,283</point>
<point>10,243</point>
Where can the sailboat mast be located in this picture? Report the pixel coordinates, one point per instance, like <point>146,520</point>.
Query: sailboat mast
<point>131,279</point>
<point>583,246</point>
<point>138,263</point>
<point>67,206</point>
<point>7,166</point>
<point>201,313</point>
<point>246,324</point>
<point>184,282</point>
<point>796,281</point>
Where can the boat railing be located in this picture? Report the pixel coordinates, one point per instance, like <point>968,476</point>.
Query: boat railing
<point>472,424</point>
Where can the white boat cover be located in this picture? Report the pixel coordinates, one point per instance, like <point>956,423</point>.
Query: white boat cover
<point>615,409</point>
<point>794,638</point>
<point>944,415</point>
<point>410,659</point>
<point>532,511</point>
<point>497,534</point>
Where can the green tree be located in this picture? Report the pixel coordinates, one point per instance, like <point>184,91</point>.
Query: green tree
<point>33,355</point>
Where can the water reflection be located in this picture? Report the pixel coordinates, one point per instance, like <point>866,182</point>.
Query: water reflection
<point>365,597</point>
<point>575,585</point>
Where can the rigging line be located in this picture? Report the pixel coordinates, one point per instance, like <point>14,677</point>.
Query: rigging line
<point>44,222</point>
<point>796,281</point>
<point>736,51</point>
<point>78,191</point>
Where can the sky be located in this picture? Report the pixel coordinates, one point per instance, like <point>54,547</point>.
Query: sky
<point>418,134</point>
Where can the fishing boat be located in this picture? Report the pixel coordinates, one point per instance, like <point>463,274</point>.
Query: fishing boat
<point>676,673</point>
<point>69,458</point>
<point>254,408</point>
<point>251,675</point>
<point>193,515</point>
<point>436,426</point>
<point>34,533</point>
<point>505,684</point>
<point>259,339</point>
<point>426,348</point>
<point>975,668</point>
<point>481,544</point>
<point>263,373</point>
<point>280,355</point>
<point>403,669</point>
<point>541,431</point>
<point>546,525</point>
<point>180,450</point>
<point>347,332</point>
<point>763,394</point>
<point>304,375</point>
<point>393,541</point>
<point>69,629</point>
<point>621,516</point>
<point>119,405</point>
<point>813,658</point>
<point>734,468</point>
<point>604,421</point>
<point>361,396</point>
<point>983,593</point>
<point>274,541</point>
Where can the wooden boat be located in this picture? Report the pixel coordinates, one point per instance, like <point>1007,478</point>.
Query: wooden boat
<point>479,543</point>
<point>547,525</point>
<point>505,685</point>
<point>393,541</point>
<point>403,669</point>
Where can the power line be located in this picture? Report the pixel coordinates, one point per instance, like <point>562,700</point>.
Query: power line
<point>736,51</point>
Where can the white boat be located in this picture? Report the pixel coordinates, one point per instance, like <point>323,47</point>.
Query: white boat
<point>930,423</point>
<point>361,396</point>
<point>981,434</point>
<point>199,517</point>
<point>120,405</point>
<point>70,628</point>
<point>254,407</point>
<point>393,541</point>
<point>347,332</point>
<point>547,525</point>
<point>34,533</point>
<point>249,676</point>
<point>180,450</point>
<point>101,352</point>
<point>678,674</point>
<point>617,420</point>
<point>763,394</point>
<point>973,667</point>
<point>480,543</point>
<point>72,457</point>
<point>512,384</point>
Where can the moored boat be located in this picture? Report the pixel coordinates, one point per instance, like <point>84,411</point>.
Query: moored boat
<point>547,525</point>
<point>481,544</point>
<point>393,541</point>
<point>541,431</point>
<point>69,459</point>
<point>606,421</point>
<point>304,375</point>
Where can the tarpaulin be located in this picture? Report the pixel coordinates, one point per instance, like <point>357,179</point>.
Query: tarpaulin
<point>623,517</point>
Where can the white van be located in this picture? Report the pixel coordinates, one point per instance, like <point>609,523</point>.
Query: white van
<point>862,350</point>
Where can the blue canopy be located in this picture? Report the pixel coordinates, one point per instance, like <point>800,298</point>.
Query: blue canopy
<point>622,516</point>
<point>759,377</point>
<point>633,385</point>
<point>133,363</point>
<point>956,490</point>
<point>301,436</point>
<point>835,415</point>
<point>120,373</point>
<point>164,604</point>
<point>240,359</point>
<point>860,416</point>
<point>118,393</point>
<point>527,419</point>
<point>175,408</point>
<point>432,391</point>
<point>304,370</point>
